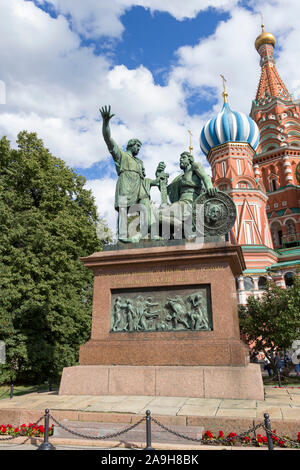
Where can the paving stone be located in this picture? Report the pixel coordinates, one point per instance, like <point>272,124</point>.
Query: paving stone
<point>210,402</point>
<point>280,392</point>
<point>189,410</point>
<point>168,401</point>
<point>162,410</point>
<point>291,413</point>
<point>243,413</point>
<point>274,412</point>
<point>238,404</point>
<point>110,398</point>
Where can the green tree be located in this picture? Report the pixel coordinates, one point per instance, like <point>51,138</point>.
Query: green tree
<point>271,323</point>
<point>48,221</point>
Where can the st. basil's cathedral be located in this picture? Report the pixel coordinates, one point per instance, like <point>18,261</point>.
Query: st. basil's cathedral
<point>256,160</point>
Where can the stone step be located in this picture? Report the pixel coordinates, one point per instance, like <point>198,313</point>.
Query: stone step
<point>123,433</point>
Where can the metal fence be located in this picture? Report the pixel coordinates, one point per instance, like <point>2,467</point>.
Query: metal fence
<point>265,425</point>
<point>38,389</point>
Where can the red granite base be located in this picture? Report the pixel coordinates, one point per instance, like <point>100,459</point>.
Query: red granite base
<point>175,267</point>
<point>194,363</point>
<point>181,381</point>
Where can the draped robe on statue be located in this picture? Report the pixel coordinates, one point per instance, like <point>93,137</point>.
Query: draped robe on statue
<point>132,186</point>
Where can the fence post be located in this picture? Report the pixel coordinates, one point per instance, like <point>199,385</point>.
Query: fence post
<point>11,393</point>
<point>46,444</point>
<point>279,378</point>
<point>148,431</point>
<point>269,431</point>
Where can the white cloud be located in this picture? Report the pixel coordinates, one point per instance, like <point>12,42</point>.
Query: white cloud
<point>64,139</point>
<point>55,86</point>
<point>103,191</point>
<point>229,51</point>
<point>52,85</point>
<point>186,9</point>
<point>95,18</point>
<point>92,18</point>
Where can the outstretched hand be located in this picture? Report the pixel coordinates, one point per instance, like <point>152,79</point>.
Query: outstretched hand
<point>212,192</point>
<point>106,113</point>
<point>160,167</point>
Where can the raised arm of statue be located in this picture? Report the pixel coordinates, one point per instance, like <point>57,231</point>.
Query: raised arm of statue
<point>111,144</point>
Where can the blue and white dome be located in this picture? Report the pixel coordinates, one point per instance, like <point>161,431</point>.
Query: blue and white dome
<point>229,126</point>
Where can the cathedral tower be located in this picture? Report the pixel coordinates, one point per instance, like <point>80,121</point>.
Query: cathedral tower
<point>229,141</point>
<point>277,115</point>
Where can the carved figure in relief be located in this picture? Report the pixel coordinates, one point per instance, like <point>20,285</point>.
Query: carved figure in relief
<point>140,306</point>
<point>131,316</point>
<point>118,314</point>
<point>198,316</point>
<point>213,212</point>
<point>147,315</point>
<point>177,312</point>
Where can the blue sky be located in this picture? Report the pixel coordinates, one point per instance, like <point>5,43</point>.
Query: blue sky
<point>158,63</point>
<point>152,39</point>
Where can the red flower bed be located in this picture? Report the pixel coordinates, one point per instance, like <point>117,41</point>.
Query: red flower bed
<point>260,440</point>
<point>25,430</point>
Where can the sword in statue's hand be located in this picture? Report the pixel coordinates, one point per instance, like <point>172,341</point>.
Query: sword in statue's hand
<point>163,183</point>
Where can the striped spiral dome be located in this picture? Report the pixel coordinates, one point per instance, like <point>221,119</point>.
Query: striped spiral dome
<point>229,126</point>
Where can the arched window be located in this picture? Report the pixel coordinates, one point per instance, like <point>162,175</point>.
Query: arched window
<point>248,282</point>
<point>273,184</point>
<point>276,231</point>
<point>262,283</point>
<point>223,169</point>
<point>290,227</point>
<point>289,279</point>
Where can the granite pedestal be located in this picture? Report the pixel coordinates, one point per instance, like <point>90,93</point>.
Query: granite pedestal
<point>210,364</point>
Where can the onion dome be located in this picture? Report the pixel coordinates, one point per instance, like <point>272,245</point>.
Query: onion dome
<point>264,38</point>
<point>229,126</point>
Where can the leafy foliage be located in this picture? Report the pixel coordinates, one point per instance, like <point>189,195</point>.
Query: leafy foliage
<point>272,322</point>
<point>48,222</point>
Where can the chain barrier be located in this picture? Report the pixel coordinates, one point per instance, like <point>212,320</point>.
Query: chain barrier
<point>285,439</point>
<point>20,435</point>
<point>229,438</point>
<point>205,441</point>
<point>107,436</point>
<point>37,389</point>
<point>201,440</point>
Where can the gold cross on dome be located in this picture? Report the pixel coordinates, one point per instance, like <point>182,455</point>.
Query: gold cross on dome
<point>190,147</point>
<point>224,94</point>
<point>262,21</point>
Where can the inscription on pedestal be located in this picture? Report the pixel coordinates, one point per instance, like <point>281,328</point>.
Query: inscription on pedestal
<point>162,309</point>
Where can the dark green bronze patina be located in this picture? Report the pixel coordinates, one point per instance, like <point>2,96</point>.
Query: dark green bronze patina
<point>191,195</point>
<point>161,310</point>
